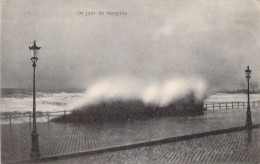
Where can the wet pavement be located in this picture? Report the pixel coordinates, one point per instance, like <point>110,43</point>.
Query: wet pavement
<point>59,138</point>
<point>235,147</point>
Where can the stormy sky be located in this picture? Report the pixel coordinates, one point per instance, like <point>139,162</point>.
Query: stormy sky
<point>213,40</point>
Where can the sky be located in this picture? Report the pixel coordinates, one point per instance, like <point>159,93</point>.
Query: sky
<point>207,39</point>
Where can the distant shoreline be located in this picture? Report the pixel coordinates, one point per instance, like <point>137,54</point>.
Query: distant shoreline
<point>239,91</point>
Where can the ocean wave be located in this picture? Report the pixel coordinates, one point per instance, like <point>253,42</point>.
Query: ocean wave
<point>159,92</point>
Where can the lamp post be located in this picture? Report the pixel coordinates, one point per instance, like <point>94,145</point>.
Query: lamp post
<point>35,152</point>
<point>248,112</point>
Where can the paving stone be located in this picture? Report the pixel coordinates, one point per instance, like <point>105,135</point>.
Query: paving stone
<point>59,138</point>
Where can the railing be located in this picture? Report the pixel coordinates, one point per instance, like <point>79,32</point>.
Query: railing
<point>229,105</point>
<point>209,106</point>
<point>14,115</point>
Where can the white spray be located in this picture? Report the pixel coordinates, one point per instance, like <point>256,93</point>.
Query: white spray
<point>159,92</point>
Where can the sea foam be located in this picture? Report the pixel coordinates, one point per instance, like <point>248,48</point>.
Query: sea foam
<point>152,91</point>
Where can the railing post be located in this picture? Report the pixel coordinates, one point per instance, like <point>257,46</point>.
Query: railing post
<point>206,106</point>
<point>243,104</point>
<point>30,117</point>
<point>226,105</point>
<point>213,106</point>
<point>238,105</point>
<point>65,116</point>
<point>10,118</point>
<point>253,104</point>
<point>219,105</point>
<point>48,116</point>
<point>232,105</point>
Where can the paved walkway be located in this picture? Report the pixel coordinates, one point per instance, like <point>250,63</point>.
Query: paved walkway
<point>58,138</point>
<point>235,147</point>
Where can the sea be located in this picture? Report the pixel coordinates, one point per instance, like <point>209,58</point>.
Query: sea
<point>20,100</point>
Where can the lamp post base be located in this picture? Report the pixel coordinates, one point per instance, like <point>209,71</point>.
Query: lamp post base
<point>248,119</point>
<point>35,151</point>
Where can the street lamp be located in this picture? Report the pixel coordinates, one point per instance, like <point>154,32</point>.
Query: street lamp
<point>35,152</point>
<point>248,112</point>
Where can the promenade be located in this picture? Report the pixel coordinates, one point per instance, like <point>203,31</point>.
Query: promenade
<point>59,139</point>
<point>235,147</point>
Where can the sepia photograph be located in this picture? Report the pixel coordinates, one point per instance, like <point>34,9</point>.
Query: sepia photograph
<point>130,82</point>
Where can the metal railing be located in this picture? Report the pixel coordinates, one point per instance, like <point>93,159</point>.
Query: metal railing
<point>230,105</point>
<point>47,115</point>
